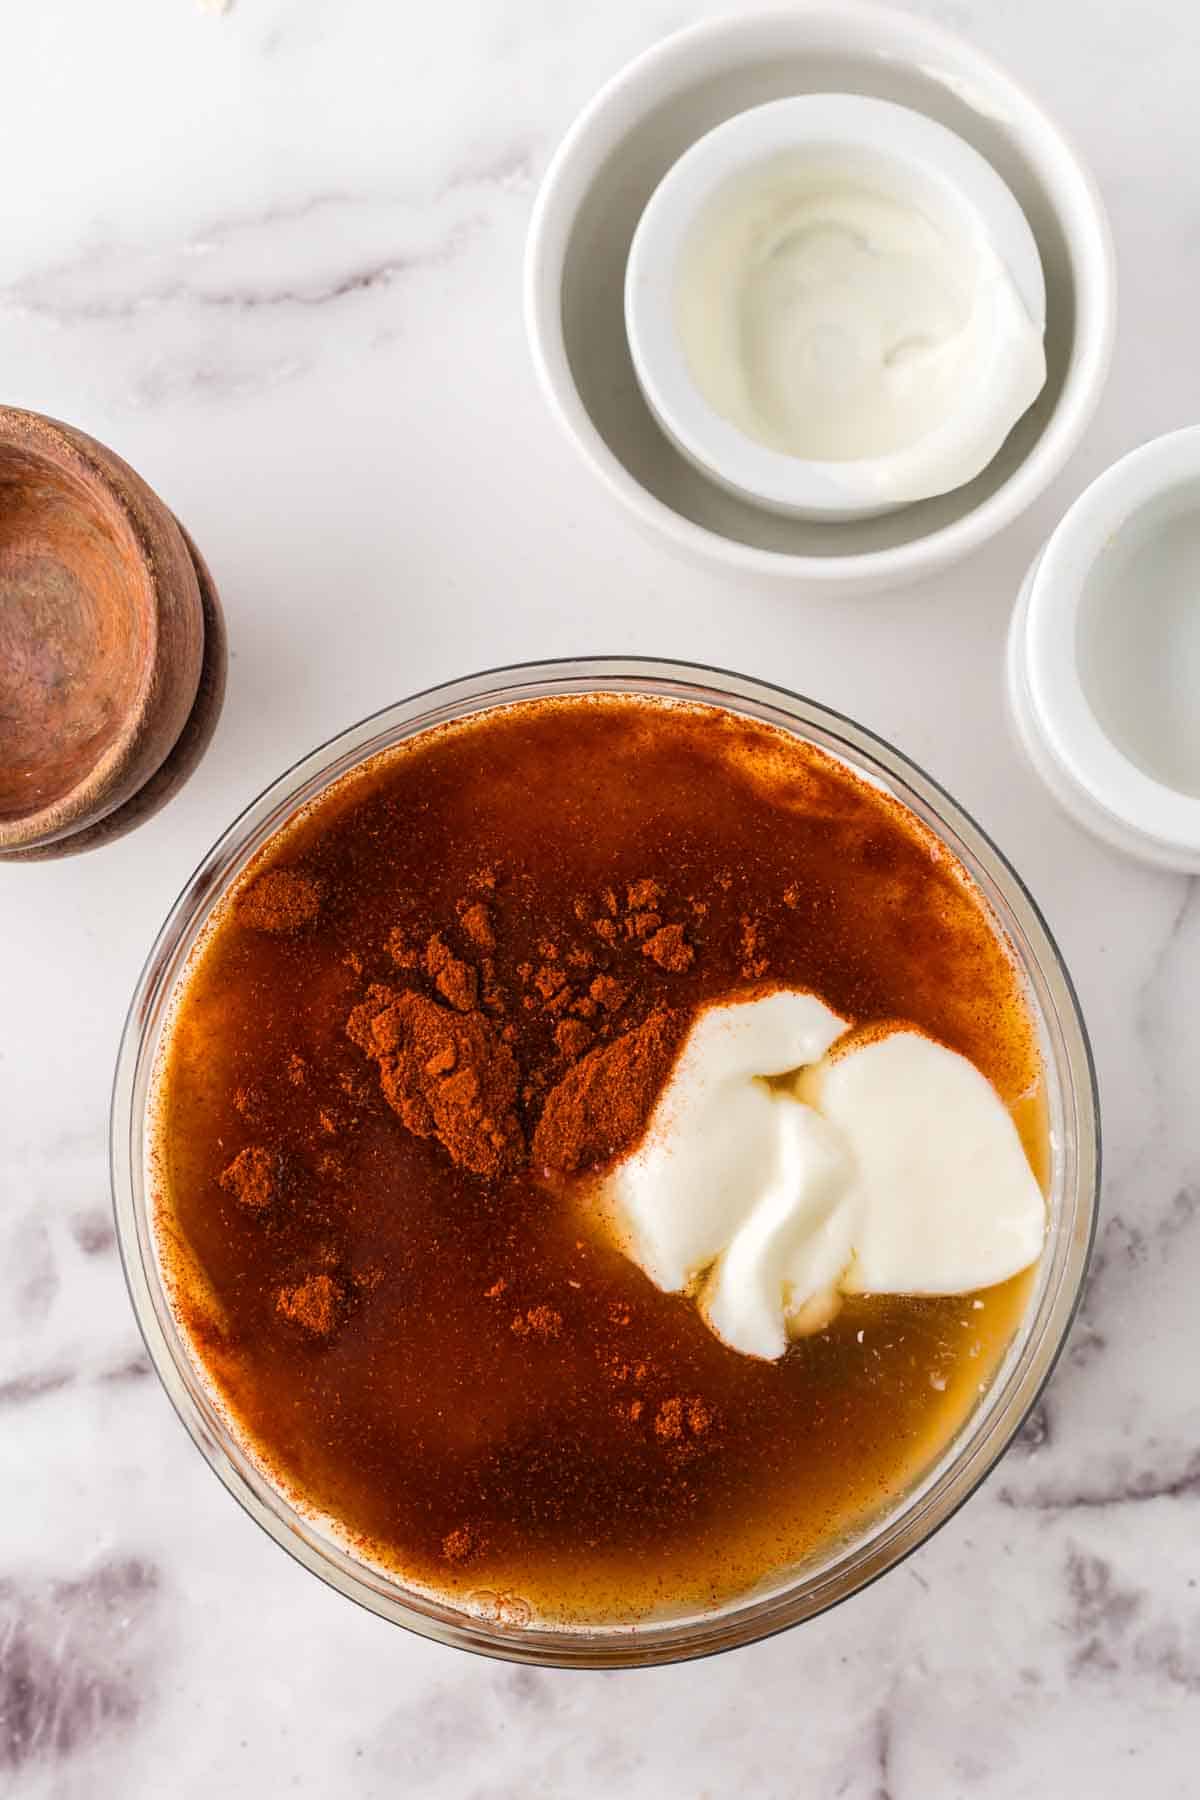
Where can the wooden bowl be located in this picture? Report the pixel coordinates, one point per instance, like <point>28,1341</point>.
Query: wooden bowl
<point>112,653</point>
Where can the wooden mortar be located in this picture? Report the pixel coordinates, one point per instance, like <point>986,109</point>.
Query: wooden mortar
<point>112,646</point>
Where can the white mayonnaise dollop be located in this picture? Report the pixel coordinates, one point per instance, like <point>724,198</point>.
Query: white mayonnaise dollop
<point>839,324</point>
<point>775,1175</point>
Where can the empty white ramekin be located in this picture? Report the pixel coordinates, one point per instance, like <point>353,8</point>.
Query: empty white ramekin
<point>1104,656</point>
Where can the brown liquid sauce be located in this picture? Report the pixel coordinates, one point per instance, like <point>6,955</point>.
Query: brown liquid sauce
<point>504,1405</point>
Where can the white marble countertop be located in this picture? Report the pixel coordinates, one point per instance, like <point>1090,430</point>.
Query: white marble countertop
<point>272,256</point>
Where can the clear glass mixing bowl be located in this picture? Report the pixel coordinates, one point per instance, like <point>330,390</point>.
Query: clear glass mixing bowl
<point>501,1626</point>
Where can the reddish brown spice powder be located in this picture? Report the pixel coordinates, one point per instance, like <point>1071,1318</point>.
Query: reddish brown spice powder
<point>282,901</point>
<point>448,1075</point>
<point>601,1107</point>
<point>540,1322</point>
<point>679,1418</point>
<point>477,923</point>
<point>454,979</point>
<point>313,1304</point>
<point>463,1544</point>
<point>670,950</point>
<point>253,1177</point>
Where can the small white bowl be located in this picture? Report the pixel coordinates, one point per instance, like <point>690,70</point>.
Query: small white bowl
<point>902,157</point>
<point>614,157</point>
<point>1104,656</point>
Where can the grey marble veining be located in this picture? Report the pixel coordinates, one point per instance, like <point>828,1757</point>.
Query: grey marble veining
<point>272,255</point>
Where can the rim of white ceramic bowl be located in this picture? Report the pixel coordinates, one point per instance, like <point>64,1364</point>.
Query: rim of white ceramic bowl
<point>1150,809</point>
<point>1074,799</point>
<point>960,183</point>
<point>1079,207</point>
<point>971,1454</point>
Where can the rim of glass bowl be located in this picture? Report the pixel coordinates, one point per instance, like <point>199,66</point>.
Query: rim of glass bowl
<point>971,1454</point>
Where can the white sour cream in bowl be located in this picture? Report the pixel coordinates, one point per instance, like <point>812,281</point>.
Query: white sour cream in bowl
<point>836,307</point>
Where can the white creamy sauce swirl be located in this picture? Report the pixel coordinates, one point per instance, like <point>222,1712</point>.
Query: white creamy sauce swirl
<point>842,325</point>
<point>780,1171</point>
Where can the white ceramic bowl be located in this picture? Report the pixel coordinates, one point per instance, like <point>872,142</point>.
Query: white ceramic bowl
<point>900,156</point>
<point>1104,656</point>
<point>616,154</point>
